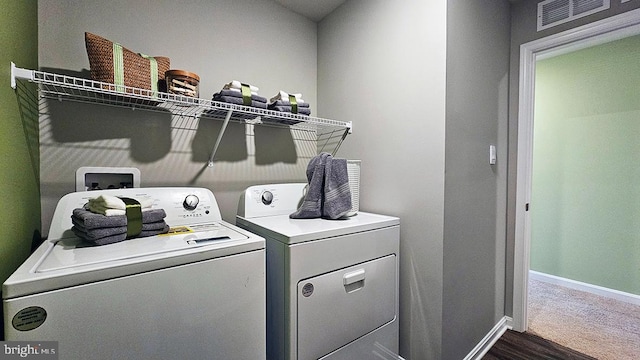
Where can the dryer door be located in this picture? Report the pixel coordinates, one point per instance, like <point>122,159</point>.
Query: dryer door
<point>339,307</point>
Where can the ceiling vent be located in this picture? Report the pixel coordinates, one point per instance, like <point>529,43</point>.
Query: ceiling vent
<point>556,12</point>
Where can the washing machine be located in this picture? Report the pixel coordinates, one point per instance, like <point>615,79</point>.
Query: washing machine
<point>197,292</point>
<point>332,285</point>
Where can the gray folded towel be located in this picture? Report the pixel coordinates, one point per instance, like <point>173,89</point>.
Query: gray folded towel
<point>112,236</point>
<point>100,229</point>
<point>240,101</point>
<point>329,194</point>
<point>101,241</point>
<point>90,220</point>
<point>238,94</point>
<point>97,233</point>
<point>301,111</point>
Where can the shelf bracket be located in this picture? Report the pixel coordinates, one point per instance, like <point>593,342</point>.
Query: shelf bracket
<point>18,73</point>
<point>219,139</point>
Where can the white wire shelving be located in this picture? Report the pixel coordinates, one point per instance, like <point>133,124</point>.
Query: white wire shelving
<point>328,133</point>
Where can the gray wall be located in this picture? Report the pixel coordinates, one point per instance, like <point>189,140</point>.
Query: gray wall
<point>391,58</point>
<point>255,41</point>
<point>523,30</point>
<point>381,64</point>
<point>475,191</point>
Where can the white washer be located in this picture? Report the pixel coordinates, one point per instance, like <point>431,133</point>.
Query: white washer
<point>196,294</point>
<point>332,285</point>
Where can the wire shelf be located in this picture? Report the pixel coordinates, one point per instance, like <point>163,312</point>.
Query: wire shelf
<point>330,133</point>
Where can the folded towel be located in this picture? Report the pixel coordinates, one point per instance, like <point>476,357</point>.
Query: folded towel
<point>288,103</point>
<point>104,240</point>
<point>114,202</point>
<point>329,194</point>
<point>235,84</point>
<point>301,111</point>
<point>106,231</point>
<point>236,91</point>
<point>238,94</point>
<point>90,220</point>
<point>283,95</point>
<point>239,101</point>
<point>99,233</point>
<point>111,236</point>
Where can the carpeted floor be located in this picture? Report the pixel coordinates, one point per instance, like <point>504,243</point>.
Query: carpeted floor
<point>604,328</point>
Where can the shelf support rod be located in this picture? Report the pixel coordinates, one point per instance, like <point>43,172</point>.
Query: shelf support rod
<point>219,139</point>
<point>344,135</point>
<point>18,73</point>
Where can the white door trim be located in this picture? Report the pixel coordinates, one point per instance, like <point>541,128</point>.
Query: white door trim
<point>615,27</point>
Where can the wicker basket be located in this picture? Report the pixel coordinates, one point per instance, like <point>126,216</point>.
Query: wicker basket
<point>137,68</point>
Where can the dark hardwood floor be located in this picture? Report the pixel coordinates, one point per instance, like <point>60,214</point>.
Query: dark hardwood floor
<point>514,345</point>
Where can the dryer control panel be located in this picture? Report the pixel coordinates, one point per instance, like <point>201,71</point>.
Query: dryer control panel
<point>271,199</point>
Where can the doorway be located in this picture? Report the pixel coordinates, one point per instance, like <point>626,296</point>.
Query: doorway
<point>601,32</point>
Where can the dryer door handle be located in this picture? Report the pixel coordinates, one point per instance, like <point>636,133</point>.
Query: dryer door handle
<point>353,277</point>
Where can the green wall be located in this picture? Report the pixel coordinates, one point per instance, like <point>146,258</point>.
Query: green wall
<point>19,185</point>
<point>586,188</point>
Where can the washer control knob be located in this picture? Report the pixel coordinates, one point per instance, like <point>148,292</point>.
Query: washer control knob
<point>190,202</point>
<point>267,197</point>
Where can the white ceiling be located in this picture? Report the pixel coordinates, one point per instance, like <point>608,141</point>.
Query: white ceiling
<point>315,10</point>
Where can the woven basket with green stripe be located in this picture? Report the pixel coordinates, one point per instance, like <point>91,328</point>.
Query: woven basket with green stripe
<point>112,63</point>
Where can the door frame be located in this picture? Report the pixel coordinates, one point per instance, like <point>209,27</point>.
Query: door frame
<point>609,29</point>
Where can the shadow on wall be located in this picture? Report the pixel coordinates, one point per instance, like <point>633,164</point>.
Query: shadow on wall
<point>151,132</point>
<point>27,98</point>
<point>233,146</point>
<point>274,145</point>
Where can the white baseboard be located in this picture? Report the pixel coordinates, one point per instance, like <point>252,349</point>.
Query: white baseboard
<point>487,342</point>
<point>590,288</point>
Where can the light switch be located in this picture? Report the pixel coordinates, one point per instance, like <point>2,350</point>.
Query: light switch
<point>492,155</point>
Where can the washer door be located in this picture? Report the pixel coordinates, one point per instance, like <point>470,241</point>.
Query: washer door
<point>339,307</point>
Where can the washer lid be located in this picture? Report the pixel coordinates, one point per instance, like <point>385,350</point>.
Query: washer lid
<point>290,231</point>
<point>70,261</point>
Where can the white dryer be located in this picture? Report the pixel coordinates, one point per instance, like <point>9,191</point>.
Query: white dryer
<point>196,293</point>
<point>332,285</point>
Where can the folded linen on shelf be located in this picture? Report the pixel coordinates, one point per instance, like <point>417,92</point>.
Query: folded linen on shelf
<point>240,101</point>
<point>283,95</point>
<point>288,103</point>
<point>329,194</point>
<point>235,84</point>
<point>239,93</point>
<point>236,91</point>
<point>288,109</point>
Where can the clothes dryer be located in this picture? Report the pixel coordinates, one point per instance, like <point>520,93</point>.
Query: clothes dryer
<point>332,285</point>
<point>195,293</point>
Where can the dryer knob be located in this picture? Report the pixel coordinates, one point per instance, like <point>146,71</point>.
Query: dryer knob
<point>190,202</point>
<point>267,197</point>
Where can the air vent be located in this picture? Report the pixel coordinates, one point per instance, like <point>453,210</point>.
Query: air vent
<point>556,12</point>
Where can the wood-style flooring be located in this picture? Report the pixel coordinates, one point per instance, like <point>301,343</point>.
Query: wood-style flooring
<point>514,345</point>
